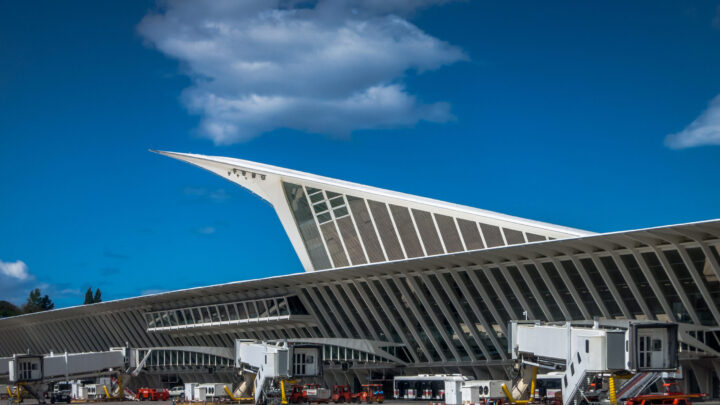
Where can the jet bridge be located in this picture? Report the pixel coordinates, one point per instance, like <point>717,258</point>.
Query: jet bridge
<point>584,348</point>
<point>34,371</point>
<point>273,362</point>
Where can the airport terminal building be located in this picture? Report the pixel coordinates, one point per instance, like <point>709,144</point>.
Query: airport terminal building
<point>399,284</point>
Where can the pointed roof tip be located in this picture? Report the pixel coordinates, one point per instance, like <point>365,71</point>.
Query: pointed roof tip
<point>166,153</point>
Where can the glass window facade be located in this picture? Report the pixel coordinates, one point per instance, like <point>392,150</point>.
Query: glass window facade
<point>233,312</point>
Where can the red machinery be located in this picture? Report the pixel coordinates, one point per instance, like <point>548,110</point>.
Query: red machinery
<point>152,394</point>
<point>316,393</point>
<point>296,394</point>
<point>371,393</point>
<point>309,393</point>
<point>669,397</point>
<point>342,393</point>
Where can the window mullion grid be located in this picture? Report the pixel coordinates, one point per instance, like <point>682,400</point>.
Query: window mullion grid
<point>317,223</point>
<point>455,300</point>
<point>428,332</point>
<point>357,231</point>
<point>676,284</point>
<point>395,228</point>
<point>391,317</point>
<point>446,312</point>
<point>129,333</point>
<point>302,296</point>
<point>534,290</point>
<point>130,319</point>
<point>482,236</point>
<point>640,259</point>
<point>417,231</point>
<point>476,310</point>
<point>437,229</point>
<point>609,283</point>
<point>435,321</point>
<point>697,278</point>
<point>334,290</point>
<point>457,228</point>
<point>360,310</point>
<point>50,340</point>
<point>501,294</point>
<point>79,335</point>
<point>109,332</point>
<point>121,334</point>
<point>96,340</point>
<point>377,233</point>
<point>324,314</point>
<point>571,287</point>
<point>99,325</point>
<point>335,312</point>
<point>486,299</point>
<point>515,290</point>
<point>405,319</point>
<point>369,303</point>
<point>711,257</point>
<point>331,211</point>
<point>553,290</point>
<point>634,288</point>
<point>590,285</point>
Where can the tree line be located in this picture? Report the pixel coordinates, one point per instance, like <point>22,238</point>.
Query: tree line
<point>37,302</point>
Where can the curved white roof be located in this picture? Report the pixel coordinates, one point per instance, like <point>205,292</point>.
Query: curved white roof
<point>267,182</point>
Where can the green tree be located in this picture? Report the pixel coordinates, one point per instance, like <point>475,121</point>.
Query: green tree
<point>36,302</point>
<point>8,309</point>
<point>98,296</point>
<point>88,296</point>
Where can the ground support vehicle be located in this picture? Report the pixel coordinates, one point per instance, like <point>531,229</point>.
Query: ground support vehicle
<point>152,394</point>
<point>296,394</point>
<point>371,393</point>
<point>316,393</point>
<point>177,392</point>
<point>342,393</point>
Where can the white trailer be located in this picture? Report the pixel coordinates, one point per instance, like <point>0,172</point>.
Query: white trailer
<point>211,391</point>
<point>475,391</point>
<point>424,386</point>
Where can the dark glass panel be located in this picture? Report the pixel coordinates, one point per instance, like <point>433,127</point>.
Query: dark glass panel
<point>366,229</point>
<point>332,240</point>
<point>386,230</point>
<point>449,233</point>
<point>306,225</point>
<point>513,237</point>
<point>352,242</point>
<point>407,232</point>
<point>470,234</point>
<point>492,235</point>
<point>430,237</point>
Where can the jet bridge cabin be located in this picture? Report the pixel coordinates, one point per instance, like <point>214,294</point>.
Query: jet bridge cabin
<point>608,345</point>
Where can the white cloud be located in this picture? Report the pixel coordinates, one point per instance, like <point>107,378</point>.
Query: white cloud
<point>332,67</point>
<point>705,130</point>
<point>15,281</point>
<point>17,270</point>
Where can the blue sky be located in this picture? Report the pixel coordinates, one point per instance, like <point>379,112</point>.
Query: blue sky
<point>555,111</point>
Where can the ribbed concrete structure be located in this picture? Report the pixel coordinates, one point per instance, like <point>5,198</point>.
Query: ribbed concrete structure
<point>402,284</point>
